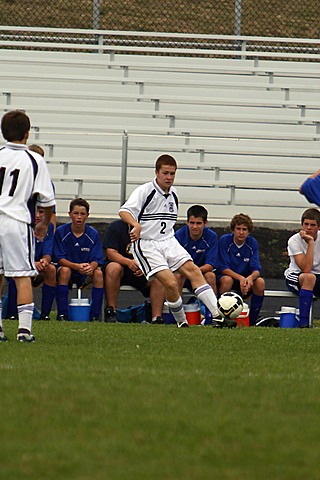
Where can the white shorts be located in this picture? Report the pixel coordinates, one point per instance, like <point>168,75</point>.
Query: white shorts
<point>154,256</point>
<point>16,248</point>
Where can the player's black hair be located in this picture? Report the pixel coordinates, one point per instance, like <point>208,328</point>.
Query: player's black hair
<point>15,125</point>
<point>197,211</point>
<point>79,202</point>
<point>241,219</point>
<point>311,214</point>
<point>165,159</point>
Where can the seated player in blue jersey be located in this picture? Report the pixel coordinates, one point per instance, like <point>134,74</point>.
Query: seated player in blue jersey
<point>303,274</point>
<point>77,250</point>
<point>239,264</point>
<point>120,268</point>
<point>201,243</point>
<point>46,274</point>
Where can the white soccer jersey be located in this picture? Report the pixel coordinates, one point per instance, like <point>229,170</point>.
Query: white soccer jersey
<point>155,210</point>
<point>24,182</point>
<point>297,245</point>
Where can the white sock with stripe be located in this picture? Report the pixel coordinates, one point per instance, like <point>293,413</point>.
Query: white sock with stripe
<point>207,296</point>
<point>177,310</point>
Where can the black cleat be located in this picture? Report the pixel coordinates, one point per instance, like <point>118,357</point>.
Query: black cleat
<point>62,318</point>
<point>25,338</point>
<point>157,321</point>
<point>110,315</point>
<point>223,323</point>
<point>44,317</point>
<point>3,338</point>
<point>183,325</point>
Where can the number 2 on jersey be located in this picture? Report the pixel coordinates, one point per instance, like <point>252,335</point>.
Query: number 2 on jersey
<point>163,228</point>
<point>14,174</point>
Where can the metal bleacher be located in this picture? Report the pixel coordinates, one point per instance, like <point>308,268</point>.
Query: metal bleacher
<point>244,125</point>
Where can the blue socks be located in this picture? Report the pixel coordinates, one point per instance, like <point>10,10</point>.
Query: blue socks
<point>48,294</point>
<point>96,302</point>
<point>255,307</point>
<point>305,302</point>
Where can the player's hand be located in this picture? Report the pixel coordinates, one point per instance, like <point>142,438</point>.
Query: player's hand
<point>138,273</point>
<point>244,285</point>
<point>132,264</point>
<point>135,233</point>
<point>306,237</point>
<point>85,269</point>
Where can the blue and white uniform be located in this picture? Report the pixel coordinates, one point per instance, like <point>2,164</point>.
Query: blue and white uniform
<point>157,248</point>
<point>204,250</point>
<point>242,259</point>
<point>24,183</point>
<point>84,249</point>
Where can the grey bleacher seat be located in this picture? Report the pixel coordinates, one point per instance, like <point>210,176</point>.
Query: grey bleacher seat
<point>273,136</point>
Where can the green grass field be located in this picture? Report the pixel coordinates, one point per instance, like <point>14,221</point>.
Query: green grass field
<point>102,401</point>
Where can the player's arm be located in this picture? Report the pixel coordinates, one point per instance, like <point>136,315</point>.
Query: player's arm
<point>41,228</point>
<point>314,175</point>
<point>251,278</point>
<point>130,220</point>
<point>305,261</point>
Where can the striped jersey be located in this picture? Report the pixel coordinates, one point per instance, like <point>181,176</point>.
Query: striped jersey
<point>24,182</point>
<point>155,210</point>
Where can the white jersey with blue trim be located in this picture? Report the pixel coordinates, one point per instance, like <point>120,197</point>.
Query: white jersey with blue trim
<point>155,210</point>
<point>24,182</point>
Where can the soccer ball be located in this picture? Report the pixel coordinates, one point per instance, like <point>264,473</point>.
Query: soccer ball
<point>230,305</point>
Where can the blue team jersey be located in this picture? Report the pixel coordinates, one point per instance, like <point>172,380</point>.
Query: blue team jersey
<point>243,260</point>
<point>203,251</point>
<point>84,249</point>
<point>311,190</point>
<point>46,246</point>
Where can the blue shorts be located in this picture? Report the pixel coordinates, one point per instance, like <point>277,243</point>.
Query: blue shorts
<point>236,288</point>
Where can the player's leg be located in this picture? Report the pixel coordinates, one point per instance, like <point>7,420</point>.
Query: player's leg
<point>17,261</point>
<point>3,338</point>
<point>157,297</point>
<point>225,284</point>
<point>96,294</point>
<point>181,281</point>
<point>172,295</point>
<point>256,300</point>
<point>62,292</point>
<point>113,273</point>
<point>12,311</point>
<point>25,307</point>
<point>210,278</point>
<point>201,289</point>
<point>48,291</point>
<point>307,283</point>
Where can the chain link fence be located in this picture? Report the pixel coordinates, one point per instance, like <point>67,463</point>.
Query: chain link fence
<point>275,18</point>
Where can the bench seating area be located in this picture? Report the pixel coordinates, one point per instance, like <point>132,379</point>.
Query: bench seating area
<point>243,125</point>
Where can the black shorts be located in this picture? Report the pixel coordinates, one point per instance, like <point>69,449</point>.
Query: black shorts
<point>293,285</point>
<point>128,278</point>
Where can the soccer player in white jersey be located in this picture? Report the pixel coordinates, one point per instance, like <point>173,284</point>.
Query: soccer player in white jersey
<point>24,183</point>
<point>151,211</point>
